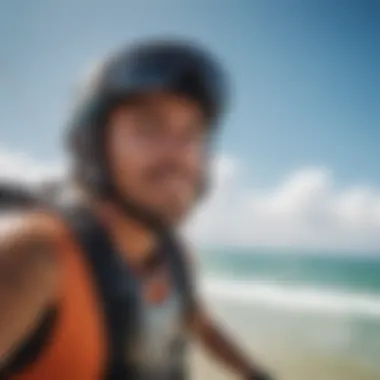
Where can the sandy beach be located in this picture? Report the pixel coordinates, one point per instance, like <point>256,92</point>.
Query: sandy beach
<point>269,337</point>
<point>287,368</point>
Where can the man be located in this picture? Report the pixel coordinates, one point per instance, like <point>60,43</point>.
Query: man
<point>101,288</point>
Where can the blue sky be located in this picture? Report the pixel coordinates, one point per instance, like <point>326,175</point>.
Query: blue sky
<point>305,74</point>
<point>300,162</point>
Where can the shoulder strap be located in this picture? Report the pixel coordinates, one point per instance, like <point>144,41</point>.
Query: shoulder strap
<point>112,281</point>
<point>176,254</point>
<point>116,285</point>
<point>14,196</point>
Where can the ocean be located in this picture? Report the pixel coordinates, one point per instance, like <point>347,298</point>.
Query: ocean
<point>312,316</point>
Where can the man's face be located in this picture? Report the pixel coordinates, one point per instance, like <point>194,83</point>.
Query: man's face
<point>157,147</point>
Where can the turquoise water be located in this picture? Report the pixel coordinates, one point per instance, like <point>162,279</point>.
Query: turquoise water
<point>345,273</point>
<point>318,305</point>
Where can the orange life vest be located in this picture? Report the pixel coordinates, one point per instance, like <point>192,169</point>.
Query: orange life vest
<point>78,345</point>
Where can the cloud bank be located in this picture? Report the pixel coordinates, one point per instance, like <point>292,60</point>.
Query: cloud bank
<point>306,210</point>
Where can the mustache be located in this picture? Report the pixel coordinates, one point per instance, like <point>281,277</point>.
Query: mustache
<point>200,180</point>
<point>168,169</point>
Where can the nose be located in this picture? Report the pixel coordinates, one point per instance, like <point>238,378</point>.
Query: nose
<point>175,147</point>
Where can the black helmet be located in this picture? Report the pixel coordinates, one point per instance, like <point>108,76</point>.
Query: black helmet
<point>178,67</point>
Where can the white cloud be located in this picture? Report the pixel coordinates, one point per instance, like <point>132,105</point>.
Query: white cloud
<point>305,210</point>
<point>21,168</point>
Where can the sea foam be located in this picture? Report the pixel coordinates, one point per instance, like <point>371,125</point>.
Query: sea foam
<point>293,298</point>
